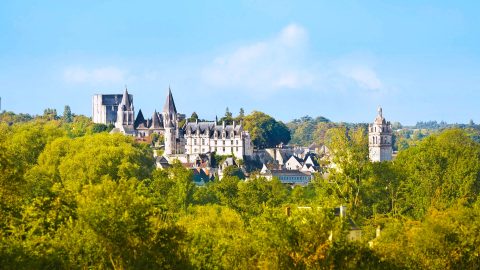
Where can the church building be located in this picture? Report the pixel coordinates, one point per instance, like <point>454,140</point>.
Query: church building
<point>380,139</point>
<point>187,142</point>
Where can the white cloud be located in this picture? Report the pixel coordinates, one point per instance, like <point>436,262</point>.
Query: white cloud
<point>293,35</point>
<point>94,75</point>
<point>266,66</point>
<point>284,62</point>
<point>364,76</point>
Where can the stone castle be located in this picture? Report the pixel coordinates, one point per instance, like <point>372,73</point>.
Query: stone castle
<point>191,142</point>
<point>185,143</point>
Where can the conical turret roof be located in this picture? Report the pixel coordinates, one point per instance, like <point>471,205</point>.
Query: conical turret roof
<point>169,106</point>
<point>140,119</point>
<point>156,123</point>
<point>126,100</point>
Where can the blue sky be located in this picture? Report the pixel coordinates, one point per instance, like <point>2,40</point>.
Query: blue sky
<point>419,60</point>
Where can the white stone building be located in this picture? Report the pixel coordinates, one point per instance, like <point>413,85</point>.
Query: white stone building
<point>184,143</point>
<point>208,137</point>
<point>105,107</point>
<point>380,139</point>
<point>125,115</point>
<point>292,177</point>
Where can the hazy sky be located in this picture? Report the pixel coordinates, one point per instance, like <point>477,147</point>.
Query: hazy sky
<point>419,60</point>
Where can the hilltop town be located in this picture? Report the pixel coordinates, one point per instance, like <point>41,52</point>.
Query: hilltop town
<point>209,147</point>
<point>119,181</point>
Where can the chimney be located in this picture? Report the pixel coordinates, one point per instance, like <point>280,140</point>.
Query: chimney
<point>343,211</point>
<point>378,232</point>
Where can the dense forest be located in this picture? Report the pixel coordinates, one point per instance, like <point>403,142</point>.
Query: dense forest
<point>75,197</point>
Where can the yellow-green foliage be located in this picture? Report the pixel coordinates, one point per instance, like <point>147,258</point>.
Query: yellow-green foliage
<point>95,201</point>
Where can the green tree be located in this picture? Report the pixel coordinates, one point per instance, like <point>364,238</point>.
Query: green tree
<point>50,114</point>
<point>234,171</point>
<point>217,238</point>
<point>228,118</point>
<point>226,190</point>
<point>440,171</point>
<point>173,188</point>
<point>257,193</point>
<point>126,225</point>
<point>67,114</point>
<point>240,116</point>
<point>97,128</point>
<point>265,131</point>
<point>349,148</point>
<point>193,117</point>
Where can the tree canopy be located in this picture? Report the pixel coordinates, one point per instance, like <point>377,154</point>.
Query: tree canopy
<point>265,131</point>
<point>81,200</point>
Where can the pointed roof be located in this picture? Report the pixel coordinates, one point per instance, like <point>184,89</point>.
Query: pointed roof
<point>140,119</point>
<point>155,121</point>
<point>126,100</point>
<point>169,106</point>
<point>264,170</point>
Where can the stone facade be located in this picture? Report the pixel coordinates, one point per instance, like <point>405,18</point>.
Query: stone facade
<point>184,143</point>
<point>380,139</point>
<point>291,177</point>
<point>105,107</point>
<point>168,118</point>
<point>209,137</point>
<point>125,115</point>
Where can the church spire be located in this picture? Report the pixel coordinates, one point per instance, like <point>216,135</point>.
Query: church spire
<point>126,100</point>
<point>169,106</point>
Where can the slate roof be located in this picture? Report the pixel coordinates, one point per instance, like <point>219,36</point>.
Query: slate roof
<point>156,121</point>
<point>169,106</point>
<point>210,128</point>
<point>229,162</point>
<point>289,172</point>
<point>140,120</point>
<point>312,157</point>
<point>298,159</point>
<point>126,100</point>
<point>113,100</point>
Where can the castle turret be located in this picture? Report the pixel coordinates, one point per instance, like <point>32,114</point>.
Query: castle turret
<point>171,125</point>
<point>380,139</point>
<point>169,110</point>
<point>125,115</point>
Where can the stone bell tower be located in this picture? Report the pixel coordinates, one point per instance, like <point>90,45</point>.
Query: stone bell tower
<point>171,125</point>
<point>380,139</point>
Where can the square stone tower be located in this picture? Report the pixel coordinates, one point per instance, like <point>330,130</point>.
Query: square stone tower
<point>380,139</point>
